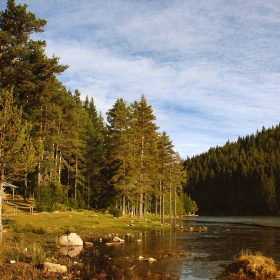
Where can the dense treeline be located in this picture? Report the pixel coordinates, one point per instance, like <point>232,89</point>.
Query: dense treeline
<point>239,178</point>
<point>60,150</point>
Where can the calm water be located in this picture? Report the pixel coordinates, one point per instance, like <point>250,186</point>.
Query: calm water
<point>224,239</point>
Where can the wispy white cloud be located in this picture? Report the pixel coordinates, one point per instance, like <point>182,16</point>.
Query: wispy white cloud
<point>210,69</point>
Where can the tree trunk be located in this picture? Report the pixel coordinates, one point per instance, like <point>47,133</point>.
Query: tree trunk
<point>156,206</point>
<point>162,214</point>
<point>76,179</point>
<point>59,167</point>
<point>1,201</point>
<point>39,174</point>
<point>160,201</point>
<point>175,206</point>
<point>25,187</point>
<point>170,205</point>
<point>145,205</point>
<point>123,204</point>
<point>141,205</point>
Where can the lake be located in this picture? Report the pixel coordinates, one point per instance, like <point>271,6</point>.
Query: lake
<point>206,250</point>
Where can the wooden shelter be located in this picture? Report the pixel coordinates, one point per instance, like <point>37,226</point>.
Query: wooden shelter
<point>7,196</point>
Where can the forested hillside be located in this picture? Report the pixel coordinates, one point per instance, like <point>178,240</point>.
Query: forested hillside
<point>57,148</point>
<point>238,178</point>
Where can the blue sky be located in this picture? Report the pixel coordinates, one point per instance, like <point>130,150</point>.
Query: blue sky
<point>210,69</point>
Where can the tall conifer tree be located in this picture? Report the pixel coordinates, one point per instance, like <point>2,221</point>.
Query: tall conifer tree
<point>17,154</point>
<point>25,67</point>
<point>145,144</point>
<point>96,154</point>
<point>120,148</point>
<point>165,161</point>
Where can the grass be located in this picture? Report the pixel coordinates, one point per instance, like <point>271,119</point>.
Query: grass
<point>17,250</point>
<point>47,227</point>
<point>252,266</point>
<point>37,253</point>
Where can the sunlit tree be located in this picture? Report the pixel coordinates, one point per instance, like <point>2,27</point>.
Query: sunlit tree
<point>17,154</point>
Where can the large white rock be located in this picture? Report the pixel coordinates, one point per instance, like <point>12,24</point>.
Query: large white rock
<point>71,240</point>
<point>75,240</point>
<point>63,240</point>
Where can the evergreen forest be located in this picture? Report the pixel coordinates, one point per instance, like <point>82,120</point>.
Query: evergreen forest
<point>58,149</point>
<point>239,178</point>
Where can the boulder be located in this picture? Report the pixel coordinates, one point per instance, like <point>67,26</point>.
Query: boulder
<point>75,240</point>
<point>117,239</point>
<point>55,268</point>
<point>88,244</point>
<point>71,240</point>
<point>63,241</point>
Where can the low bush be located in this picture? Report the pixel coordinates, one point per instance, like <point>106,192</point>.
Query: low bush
<point>37,253</point>
<point>116,212</point>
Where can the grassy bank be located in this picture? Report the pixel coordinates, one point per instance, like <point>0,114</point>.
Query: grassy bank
<point>18,220</point>
<point>29,239</point>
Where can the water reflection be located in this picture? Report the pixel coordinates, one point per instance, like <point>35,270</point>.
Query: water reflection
<point>224,239</point>
<point>71,251</point>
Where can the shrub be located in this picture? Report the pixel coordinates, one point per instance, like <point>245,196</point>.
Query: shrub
<point>37,254</point>
<point>8,221</point>
<point>116,212</point>
<point>50,195</point>
<point>190,205</point>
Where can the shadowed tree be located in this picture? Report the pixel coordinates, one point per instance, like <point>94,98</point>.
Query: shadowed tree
<point>96,155</point>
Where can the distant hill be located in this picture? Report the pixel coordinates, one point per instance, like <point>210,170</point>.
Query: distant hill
<point>241,178</point>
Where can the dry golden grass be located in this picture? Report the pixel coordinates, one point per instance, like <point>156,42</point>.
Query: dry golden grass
<point>249,265</point>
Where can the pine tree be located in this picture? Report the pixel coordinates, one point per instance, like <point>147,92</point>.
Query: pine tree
<point>120,150</point>
<point>165,160</point>
<point>95,156</point>
<point>145,141</point>
<point>178,178</point>
<point>24,65</point>
<point>79,143</point>
<point>16,150</point>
